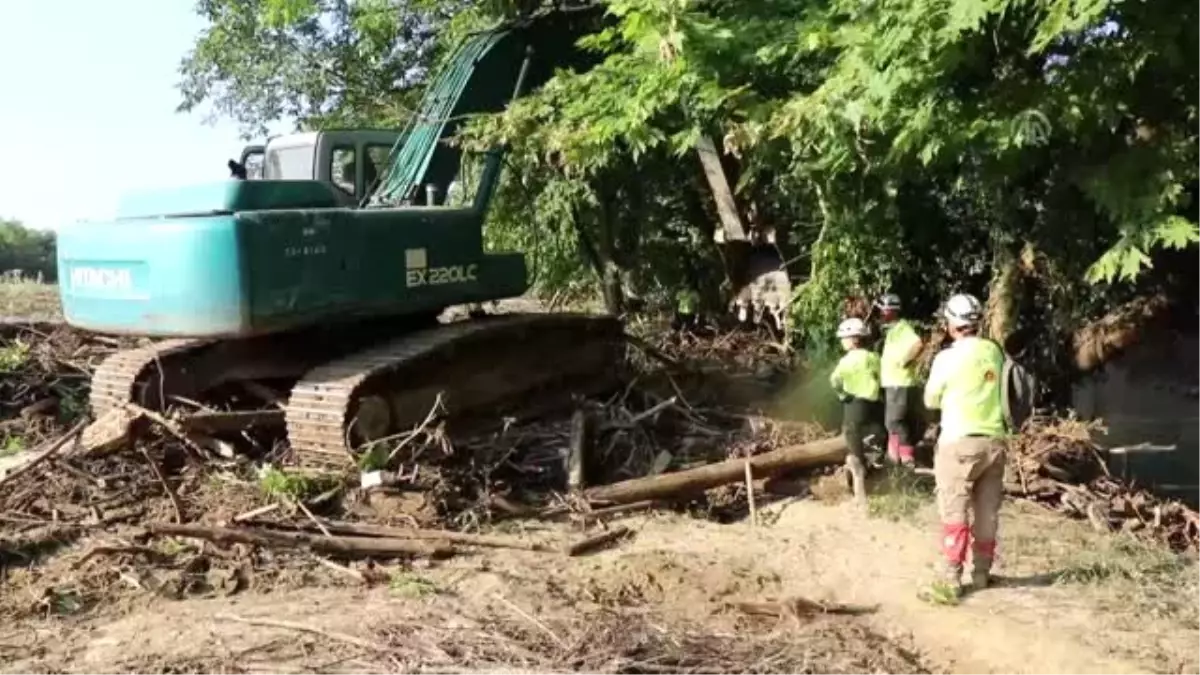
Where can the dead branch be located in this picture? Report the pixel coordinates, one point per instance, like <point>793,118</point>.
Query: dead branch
<point>49,452</point>
<point>385,532</point>
<point>598,514</point>
<point>797,606</point>
<point>168,425</point>
<point>597,541</point>
<point>154,554</point>
<point>162,480</point>
<point>351,547</point>
<point>341,569</point>
<point>291,625</point>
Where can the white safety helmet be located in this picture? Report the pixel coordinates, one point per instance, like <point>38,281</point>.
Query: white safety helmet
<point>888,301</point>
<point>851,328</point>
<point>963,310</point>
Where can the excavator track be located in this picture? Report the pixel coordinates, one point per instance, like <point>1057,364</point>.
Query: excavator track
<point>116,380</point>
<point>386,386</point>
<point>471,365</point>
<point>128,377</point>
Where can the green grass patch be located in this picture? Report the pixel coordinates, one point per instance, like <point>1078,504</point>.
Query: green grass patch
<point>409,585</point>
<point>899,494</point>
<point>292,485</point>
<point>13,356</point>
<point>11,446</point>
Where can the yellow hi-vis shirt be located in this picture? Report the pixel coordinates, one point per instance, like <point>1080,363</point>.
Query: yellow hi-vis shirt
<point>897,342</point>
<point>964,382</point>
<point>686,301</point>
<point>857,374</point>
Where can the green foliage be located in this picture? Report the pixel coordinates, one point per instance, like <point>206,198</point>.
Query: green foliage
<point>13,356</point>
<point>319,62</point>
<point>12,445</point>
<point>291,485</point>
<point>908,145</point>
<point>29,251</point>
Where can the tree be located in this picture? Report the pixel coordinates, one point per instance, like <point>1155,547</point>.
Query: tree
<point>1041,153</point>
<point>31,252</point>
<point>319,62</point>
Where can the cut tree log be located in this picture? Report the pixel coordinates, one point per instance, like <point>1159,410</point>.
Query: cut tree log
<point>350,547</point>
<point>693,481</point>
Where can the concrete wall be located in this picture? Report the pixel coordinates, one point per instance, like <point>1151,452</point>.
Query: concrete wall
<point>1148,397</point>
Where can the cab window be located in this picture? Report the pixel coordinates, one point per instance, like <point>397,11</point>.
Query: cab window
<point>342,168</point>
<point>294,163</point>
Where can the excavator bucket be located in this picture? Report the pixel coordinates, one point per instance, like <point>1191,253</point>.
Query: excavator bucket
<point>761,288</point>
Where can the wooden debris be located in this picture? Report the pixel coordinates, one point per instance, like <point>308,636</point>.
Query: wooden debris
<point>386,532</point>
<point>619,509</point>
<point>166,488</point>
<point>291,625</point>
<point>110,432</point>
<point>750,495</point>
<point>42,456</point>
<point>597,541</point>
<point>1056,464</point>
<point>577,451</point>
<point>351,547</point>
<point>797,607</point>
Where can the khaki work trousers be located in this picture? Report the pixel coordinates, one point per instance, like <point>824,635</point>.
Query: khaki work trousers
<point>970,477</point>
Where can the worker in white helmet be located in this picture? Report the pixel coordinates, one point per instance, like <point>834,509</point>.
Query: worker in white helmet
<point>964,384</point>
<point>855,379</point>
<point>898,376</point>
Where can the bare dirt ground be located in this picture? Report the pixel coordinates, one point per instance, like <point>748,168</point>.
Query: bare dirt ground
<point>677,575</point>
<point>683,593</point>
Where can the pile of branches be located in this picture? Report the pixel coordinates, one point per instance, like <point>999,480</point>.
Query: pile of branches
<point>1056,463</point>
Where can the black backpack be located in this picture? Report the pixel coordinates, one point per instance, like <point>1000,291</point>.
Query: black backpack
<point>1019,390</point>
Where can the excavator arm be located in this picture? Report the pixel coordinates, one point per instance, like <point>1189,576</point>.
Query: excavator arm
<point>492,68</point>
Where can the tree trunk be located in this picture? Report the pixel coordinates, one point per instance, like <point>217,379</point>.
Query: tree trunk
<point>1003,302</point>
<point>693,481</point>
<point>1105,338</point>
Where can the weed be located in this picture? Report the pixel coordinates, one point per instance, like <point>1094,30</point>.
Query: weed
<point>291,485</point>
<point>12,445</point>
<point>13,356</point>
<point>72,404</point>
<point>1134,575</point>
<point>899,494</point>
<point>410,585</point>
<point>375,458</point>
<point>1124,556</point>
<point>941,593</point>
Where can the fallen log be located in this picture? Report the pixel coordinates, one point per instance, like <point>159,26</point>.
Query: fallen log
<point>351,547</point>
<point>692,481</point>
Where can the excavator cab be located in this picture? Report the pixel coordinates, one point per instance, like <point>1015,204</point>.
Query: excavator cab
<point>349,159</point>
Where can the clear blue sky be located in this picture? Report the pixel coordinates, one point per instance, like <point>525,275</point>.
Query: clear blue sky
<point>88,107</point>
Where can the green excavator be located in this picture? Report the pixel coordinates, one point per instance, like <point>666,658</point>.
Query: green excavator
<point>313,279</point>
